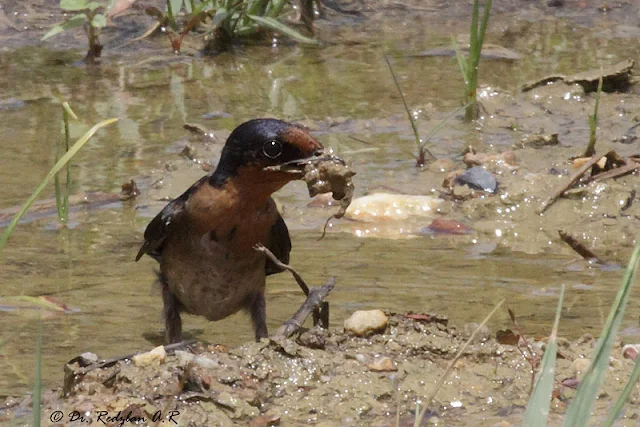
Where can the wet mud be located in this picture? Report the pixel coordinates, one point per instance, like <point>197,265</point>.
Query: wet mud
<point>329,378</point>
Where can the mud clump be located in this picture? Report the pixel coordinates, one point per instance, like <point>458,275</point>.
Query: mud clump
<point>331,175</point>
<point>346,380</point>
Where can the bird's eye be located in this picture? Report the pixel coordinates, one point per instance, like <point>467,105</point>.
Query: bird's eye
<point>272,149</point>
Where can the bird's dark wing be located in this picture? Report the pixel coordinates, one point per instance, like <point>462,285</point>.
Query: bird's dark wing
<point>280,245</point>
<point>160,226</point>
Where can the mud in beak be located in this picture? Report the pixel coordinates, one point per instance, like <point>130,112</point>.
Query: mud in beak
<point>299,167</point>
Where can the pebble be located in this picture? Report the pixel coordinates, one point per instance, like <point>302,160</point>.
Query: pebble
<point>366,322</point>
<point>153,357</point>
<point>580,366</point>
<point>479,179</point>
<point>630,351</point>
<point>447,226</point>
<point>382,364</point>
<point>185,358</point>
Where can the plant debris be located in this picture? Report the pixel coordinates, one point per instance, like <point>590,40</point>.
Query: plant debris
<point>615,78</point>
<point>579,247</point>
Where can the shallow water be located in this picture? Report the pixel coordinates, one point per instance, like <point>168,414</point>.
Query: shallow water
<point>90,266</point>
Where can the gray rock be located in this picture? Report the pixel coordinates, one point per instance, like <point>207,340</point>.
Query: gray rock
<point>479,179</point>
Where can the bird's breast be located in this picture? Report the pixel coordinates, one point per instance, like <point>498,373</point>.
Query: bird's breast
<point>210,263</point>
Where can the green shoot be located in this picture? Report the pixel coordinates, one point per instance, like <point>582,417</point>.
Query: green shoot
<point>593,123</point>
<point>538,407</point>
<point>229,20</point>
<point>579,410</point>
<point>422,150</point>
<point>90,17</point>
<point>469,66</point>
<point>62,200</point>
<point>52,173</point>
<point>420,415</point>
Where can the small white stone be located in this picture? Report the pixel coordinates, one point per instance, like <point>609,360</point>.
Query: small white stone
<point>153,357</point>
<point>366,322</point>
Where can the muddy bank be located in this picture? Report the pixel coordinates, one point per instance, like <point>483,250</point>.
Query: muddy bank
<point>328,378</point>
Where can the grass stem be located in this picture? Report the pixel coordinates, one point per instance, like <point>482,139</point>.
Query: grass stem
<point>419,144</point>
<point>52,173</point>
<point>593,123</point>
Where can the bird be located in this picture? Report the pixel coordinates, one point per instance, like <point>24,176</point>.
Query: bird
<point>204,239</point>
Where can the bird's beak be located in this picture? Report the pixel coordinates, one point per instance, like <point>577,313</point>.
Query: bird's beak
<point>297,167</point>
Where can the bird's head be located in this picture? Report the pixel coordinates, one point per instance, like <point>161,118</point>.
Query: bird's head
<point>266,152</point>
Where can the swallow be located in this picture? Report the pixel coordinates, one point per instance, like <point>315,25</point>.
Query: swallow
<point>204,240</point>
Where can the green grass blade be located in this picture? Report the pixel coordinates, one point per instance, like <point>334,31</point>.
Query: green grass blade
<point>473,31</point>
<point>628,388</point>
<point>462,62</point>
<point>73,22</point>
<point>440,125</point>
<point>56,168</point>
<point>274,24</point>
<point>540,400</point>
<point>37,386</point>
<point>62,201</point>
<point>483,29</point>
<point>579,410</point>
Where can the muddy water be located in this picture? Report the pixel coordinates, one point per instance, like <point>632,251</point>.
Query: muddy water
<point>338,91</point>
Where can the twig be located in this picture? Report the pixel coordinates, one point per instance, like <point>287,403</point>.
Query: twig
<point>443,377</point>
<point>362,141</point>
<point>278,263</point>
<point>579,247</point>
<point>615,173</point>
<point>575,178</point>
<point>320,314</point>
<point>113,360</point>
<point>314,300</point>
<point>533,361</point>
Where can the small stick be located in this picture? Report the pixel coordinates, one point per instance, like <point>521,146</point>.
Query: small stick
<point>575,178</point>
<point>579,247</point>
<point>113,360</point>
<point>278,263</point>
<point>320,314</point>
<point>615,173</point>
<point>315,298</point>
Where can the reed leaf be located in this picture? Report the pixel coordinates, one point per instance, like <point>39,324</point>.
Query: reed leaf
<point>540,400</point>
<point>579,410</point>
<point>274,24</point>
<point>622,399</point>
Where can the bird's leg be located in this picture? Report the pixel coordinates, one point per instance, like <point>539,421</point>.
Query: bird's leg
<point>258,309</point>
<point>171,311</point>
